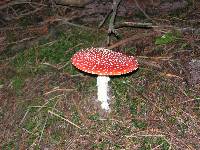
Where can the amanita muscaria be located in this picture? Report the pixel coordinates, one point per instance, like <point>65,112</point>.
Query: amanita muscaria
<point>104,63</point>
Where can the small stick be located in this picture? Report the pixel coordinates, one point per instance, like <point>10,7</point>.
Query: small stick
<point>155,58</point>
<point>138,6</point>
<point>48,64</point>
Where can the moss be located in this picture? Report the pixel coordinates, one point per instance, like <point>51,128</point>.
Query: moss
<point>167,38</point>
<point>59,52</point>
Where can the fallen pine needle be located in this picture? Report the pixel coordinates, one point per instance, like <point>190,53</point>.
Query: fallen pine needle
<point>57,89</point>
<point>51,112</point>
<point>171,75</point>
<point>145,135</point>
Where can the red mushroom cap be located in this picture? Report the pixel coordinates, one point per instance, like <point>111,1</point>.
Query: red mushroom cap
<point>103,61</point>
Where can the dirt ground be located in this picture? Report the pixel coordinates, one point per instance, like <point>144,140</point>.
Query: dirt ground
<point>46,103</point>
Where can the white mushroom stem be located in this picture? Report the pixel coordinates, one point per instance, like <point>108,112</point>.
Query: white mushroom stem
<point>102,91</point>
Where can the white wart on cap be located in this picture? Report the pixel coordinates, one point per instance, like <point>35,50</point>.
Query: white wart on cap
<point>103,61</point>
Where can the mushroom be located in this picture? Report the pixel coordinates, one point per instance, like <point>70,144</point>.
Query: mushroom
<point>104,63</point>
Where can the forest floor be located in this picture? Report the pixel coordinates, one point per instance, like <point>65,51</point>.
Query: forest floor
<point>46,103</point>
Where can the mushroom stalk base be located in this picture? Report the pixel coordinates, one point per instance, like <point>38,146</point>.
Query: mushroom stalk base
<point>102,91</point>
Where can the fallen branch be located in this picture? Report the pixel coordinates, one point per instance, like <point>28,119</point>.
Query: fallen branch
<point>76,3</point>
<point>132,38</point>
<point>134,25</point>
<point>20,41</point>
